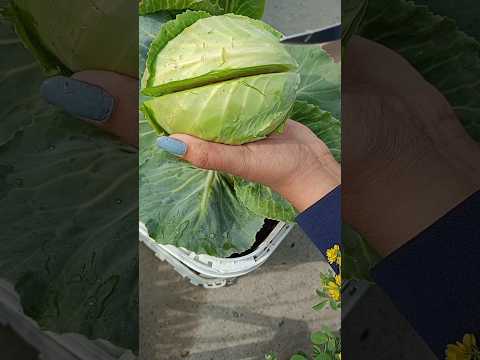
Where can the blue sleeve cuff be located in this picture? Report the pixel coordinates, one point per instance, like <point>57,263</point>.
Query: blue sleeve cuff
<point>322,222</point>
<point>434,279</point>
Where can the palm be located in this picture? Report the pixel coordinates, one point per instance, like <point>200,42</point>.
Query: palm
<point>405,154</point>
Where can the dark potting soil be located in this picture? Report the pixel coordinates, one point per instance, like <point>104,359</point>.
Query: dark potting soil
<point>266,229</point>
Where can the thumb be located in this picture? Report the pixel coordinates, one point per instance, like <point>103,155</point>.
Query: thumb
<point>105,99</point>
<point>232,159</point>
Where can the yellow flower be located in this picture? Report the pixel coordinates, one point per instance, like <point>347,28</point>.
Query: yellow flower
<point>338,279</point>
<point>463,351</point>
<point>333,254</point>
<point>333,290</point>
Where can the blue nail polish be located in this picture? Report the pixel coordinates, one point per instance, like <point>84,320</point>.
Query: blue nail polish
<point>78,98</point>
<point>172,145</point>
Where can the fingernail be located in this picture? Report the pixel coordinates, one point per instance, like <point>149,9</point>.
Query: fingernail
<point>172,145</point>
<point>78,98</point>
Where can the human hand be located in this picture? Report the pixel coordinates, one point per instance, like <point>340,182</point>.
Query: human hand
<point>295,164</point>
<point>407,160</point>
<point>105,99</point>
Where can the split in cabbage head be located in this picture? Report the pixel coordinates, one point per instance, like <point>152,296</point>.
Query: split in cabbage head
<point>225,78</point>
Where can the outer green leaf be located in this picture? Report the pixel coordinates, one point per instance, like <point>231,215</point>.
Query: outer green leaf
<point>320,78</point>
<point>212,49</point>
<point>250,8</point>
<point>446,57</point>
<point>229,112</point>
<point>65,35</point>
<point>148,27</point>
<point>148,136</point>
<point>152,6</point>
<point>19,105</point>
<point>353,12</point>
<point>71,258</point>
<point>357,256</point>
<point>322,123</point>
<point>192,208</point>
<point>261,200</point>
<point>463,11</point>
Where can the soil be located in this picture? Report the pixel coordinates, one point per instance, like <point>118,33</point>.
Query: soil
<point>266,229</point>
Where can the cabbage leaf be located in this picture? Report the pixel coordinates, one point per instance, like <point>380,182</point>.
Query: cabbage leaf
<point>251,8</point>
<point>447,58</point>
<point>263,201</point>
<point>19,105</point>
<point>193,208</point>
<point>322,123</point>
<point>320,78</point>
<point>148,26</point>
<point>358,257</point>
<point>353,12</point>
<point>67,228</point>
<point>71,258</point>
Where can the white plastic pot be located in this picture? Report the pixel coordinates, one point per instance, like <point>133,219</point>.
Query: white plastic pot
<point>212,272</point>
<point>49,345</point>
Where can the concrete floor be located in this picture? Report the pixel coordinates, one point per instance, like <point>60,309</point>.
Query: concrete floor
<point>297,16</point>
<point>268,310</point>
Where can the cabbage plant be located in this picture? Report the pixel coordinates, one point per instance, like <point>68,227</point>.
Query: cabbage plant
<point>223,78</point>
<point>68,239</point>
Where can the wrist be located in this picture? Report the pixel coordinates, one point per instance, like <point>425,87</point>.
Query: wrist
<point>305,189</point>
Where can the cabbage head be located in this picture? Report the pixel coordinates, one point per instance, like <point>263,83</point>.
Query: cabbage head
<point>223,78</point>
<point>74,35</point>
